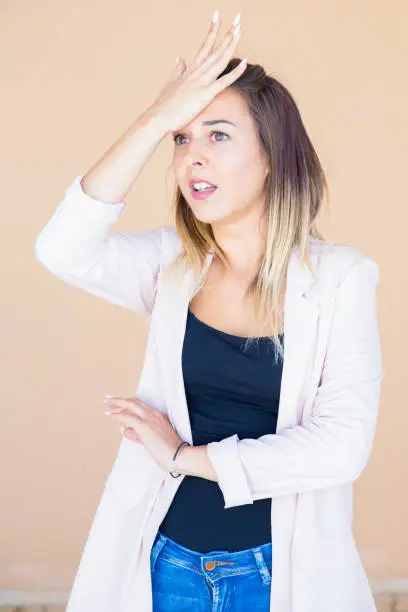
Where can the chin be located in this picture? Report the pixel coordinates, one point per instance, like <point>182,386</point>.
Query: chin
<point>207,216</point>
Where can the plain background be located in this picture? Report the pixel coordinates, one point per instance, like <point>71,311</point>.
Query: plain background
<point>74,76</point>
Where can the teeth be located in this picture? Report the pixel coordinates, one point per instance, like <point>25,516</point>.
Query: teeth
<point>202,186</point>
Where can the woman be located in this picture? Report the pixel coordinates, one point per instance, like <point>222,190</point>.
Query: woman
<point>258,398</point>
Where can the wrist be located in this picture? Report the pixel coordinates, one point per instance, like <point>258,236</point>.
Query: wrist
<point>153,120</point>
<point>180,464</point>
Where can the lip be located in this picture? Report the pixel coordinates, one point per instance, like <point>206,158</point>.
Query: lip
<point>203,195</point>
<point>196,179</point>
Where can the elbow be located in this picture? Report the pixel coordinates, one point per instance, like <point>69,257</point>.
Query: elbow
<point>50,254</point>
<point>40,251</point>
<point>38,248</point>
<point>43,256</point>
<point>354,464</point>
<point>43,249</point>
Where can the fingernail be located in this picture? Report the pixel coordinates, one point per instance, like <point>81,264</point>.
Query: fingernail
<point>236,20</point>
<point>108,395</point>
<point>214,18</point>
<point>177,59</point>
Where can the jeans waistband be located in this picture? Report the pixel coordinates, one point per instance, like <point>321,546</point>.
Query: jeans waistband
<point>215,564</point>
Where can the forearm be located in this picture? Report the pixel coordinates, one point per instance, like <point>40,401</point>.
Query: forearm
<point>194,461</point>
<point>111,177</point>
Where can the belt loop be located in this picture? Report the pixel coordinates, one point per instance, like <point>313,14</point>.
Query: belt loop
<point>156,548</point>
<point>263,568</point>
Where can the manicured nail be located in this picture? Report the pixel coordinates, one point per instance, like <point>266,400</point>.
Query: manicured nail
<point>236,20</point>
<point>108,395</point>
<point>108,413</point>
<point>214,18</point>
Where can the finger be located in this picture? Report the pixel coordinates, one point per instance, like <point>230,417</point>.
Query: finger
<point>136,410</point>
<point>131,434</point>
<point>208,44</point>
<point>120,402</point>
<point>180,65</point>
<point>130,420</point>
<point>217,61</point>
<point>230,77</point>
<point>133,414</point>
<point>233,30</point>
<point>111,399</point>
<point>178,70</point>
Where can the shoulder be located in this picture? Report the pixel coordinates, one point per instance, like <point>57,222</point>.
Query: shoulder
<point>171,244</point>
<point>328,258</point>
<point>339,260</point>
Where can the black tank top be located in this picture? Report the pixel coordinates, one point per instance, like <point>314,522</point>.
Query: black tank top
<point>230,389</point>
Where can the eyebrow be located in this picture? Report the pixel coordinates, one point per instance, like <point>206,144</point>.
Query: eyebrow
<point>213,121</point>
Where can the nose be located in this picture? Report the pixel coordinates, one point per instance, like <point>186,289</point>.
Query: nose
<point>196,158</point>
<point>196,161</point>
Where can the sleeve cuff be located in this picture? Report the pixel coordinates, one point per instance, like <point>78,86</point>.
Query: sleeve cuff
<point>224,457</point>
<point>78,197</point>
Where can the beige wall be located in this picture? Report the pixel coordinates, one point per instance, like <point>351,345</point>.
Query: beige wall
<point>74,76</point>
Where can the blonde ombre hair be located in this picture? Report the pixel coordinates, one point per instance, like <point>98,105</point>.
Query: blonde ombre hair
<point>294,193</point>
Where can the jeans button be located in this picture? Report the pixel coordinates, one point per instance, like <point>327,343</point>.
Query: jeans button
<point>210,565</point>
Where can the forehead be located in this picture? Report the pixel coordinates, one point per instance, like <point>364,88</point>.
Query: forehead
<point>229,105</point>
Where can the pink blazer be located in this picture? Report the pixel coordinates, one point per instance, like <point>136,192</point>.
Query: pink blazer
<point>328,410</point>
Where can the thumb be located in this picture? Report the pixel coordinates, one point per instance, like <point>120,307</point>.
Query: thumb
<point>179,68</point>
<point>176,73</point>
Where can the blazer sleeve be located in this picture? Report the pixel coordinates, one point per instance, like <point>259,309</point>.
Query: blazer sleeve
<point>333,445</point>
<point>78,246</point>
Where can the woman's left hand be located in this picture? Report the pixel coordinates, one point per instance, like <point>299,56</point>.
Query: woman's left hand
<point>146,425</point>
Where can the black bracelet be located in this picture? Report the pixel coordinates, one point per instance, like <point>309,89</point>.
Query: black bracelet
<point>175,455</point>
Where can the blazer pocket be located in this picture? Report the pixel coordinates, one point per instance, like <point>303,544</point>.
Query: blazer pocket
<point>133,475</point>
<point>328,553</point>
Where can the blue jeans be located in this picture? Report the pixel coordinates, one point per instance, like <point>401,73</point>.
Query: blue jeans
<point>184,580</point>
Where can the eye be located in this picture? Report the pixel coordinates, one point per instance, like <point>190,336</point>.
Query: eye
<point>218,132</point>
<point>175,138</point>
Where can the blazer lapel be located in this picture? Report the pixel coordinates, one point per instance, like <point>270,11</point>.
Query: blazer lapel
<point>301,316</point>
<point>300,324</point>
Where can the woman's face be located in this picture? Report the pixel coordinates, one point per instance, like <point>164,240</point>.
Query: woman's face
<point>226,155</point>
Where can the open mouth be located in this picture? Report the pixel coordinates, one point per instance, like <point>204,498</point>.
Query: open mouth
<point>204,190</point>
<point>201,194</point>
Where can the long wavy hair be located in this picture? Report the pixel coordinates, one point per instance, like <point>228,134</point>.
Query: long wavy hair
<point>294,191</point>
